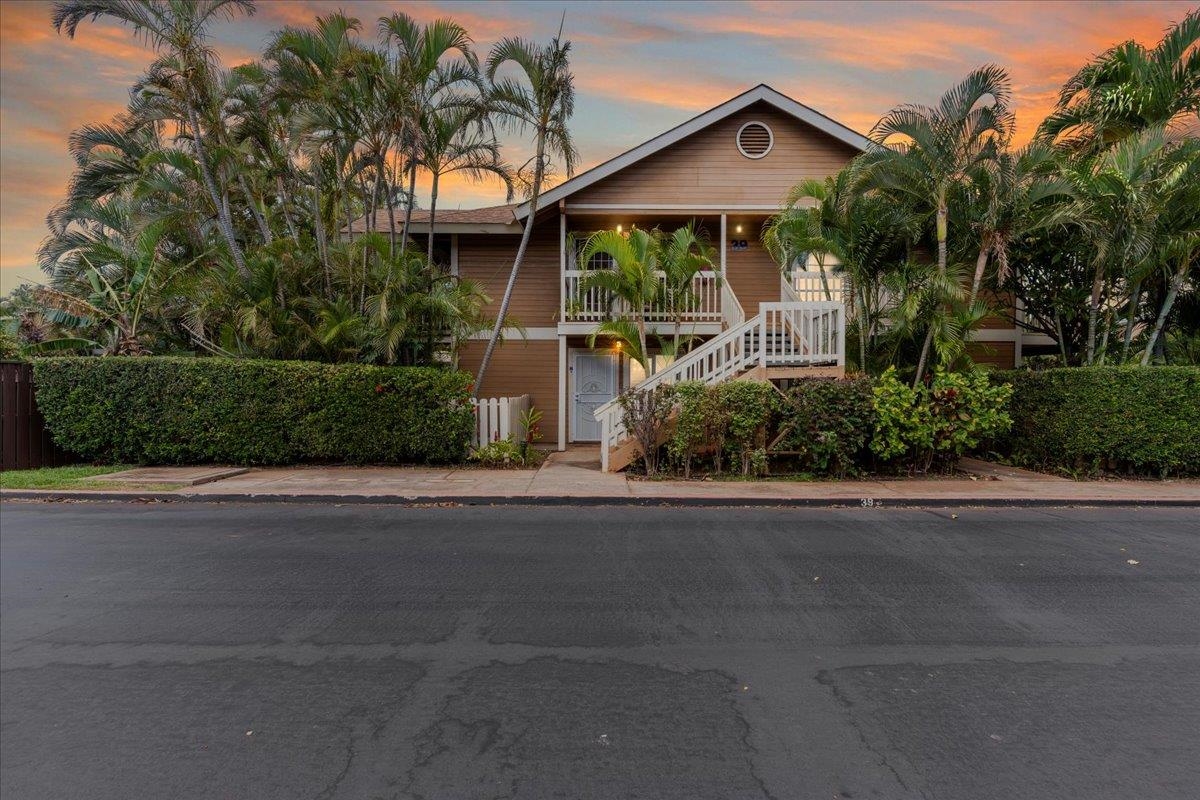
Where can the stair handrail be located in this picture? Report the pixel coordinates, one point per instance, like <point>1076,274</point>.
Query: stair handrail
<point>732,313</point>
<point>608,415</point>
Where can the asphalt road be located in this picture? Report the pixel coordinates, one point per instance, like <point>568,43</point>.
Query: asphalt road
<point>263,651</point>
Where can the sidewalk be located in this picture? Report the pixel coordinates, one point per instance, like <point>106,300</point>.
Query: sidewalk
<point>574,477</point>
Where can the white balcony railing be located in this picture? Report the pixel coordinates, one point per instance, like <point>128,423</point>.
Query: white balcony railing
<point>704,301</point>
<point>806,286</point>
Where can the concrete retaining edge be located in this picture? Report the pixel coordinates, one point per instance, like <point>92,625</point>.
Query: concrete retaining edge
<point>51,496</point>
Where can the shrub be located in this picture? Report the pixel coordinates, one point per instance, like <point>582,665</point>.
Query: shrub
<point>691,428</point>
<point>938,423</point>
<point>506,454</point>
<point>1090,419</point>
<point>826,424</point>
<point>646,415</point>
<point>199,410</point>
<point>750,406</point>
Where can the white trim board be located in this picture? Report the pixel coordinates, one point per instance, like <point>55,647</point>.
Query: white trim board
<point>683,208</point>
<point>513,335</point>
<point>760,93</point>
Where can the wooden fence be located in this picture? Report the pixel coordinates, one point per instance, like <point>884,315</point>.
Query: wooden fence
<point>499,418</point>
<point>24,439</point>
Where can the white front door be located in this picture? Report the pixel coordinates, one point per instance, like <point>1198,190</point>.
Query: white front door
<point>595,382</point>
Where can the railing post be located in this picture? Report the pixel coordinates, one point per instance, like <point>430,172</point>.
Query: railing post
<point>762,337</point>
<point>605,444</point>
<point>841,338</point>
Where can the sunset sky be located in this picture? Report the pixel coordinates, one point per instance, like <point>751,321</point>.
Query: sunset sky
<point>640,68</point>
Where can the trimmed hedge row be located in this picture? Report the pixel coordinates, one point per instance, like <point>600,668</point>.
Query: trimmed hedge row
<point>204,410</point>
<point>1120,419</point>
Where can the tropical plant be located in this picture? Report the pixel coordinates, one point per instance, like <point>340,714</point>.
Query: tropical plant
<point>1130,88</point>
<point>924,154</point>
<point>459,139</point>
<point>863,232</point>
<point>177,30</point>
<point>545,103</point>
<point>631,285</point>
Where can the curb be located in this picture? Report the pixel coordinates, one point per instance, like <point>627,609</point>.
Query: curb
<point>565,500</point>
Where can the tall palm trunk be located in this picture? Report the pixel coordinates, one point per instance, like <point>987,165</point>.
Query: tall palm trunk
<point>283,205</point>
<point>1165,311</point>
<point>224,221</point>
<point>1131,319</point>
<point>264,230</point>
<point>538,173</point>
<point>408,204</point>
<point>943,217</point>
<point>980,267</point>
<point>824,279</point>
<point>390,202</point>
<point>433,194</point>
<point>322,240</point>
<point>1094,312</point>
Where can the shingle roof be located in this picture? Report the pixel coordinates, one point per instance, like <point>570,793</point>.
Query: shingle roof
<point>490,215</point>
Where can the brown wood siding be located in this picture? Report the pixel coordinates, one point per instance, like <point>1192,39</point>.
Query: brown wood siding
<point>753,274</point>
<point>1001,355</point>
<point>1003,301</point>
<point>707,167</point>
<point>520,367</point>
<point>488,260</point>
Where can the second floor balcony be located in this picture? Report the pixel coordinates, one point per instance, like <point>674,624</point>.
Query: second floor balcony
<point>707,300</point>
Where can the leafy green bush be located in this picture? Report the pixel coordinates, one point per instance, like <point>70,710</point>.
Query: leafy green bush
<point>506,454</point>
<point>750,406</point>
<point>691,428</point>
<point>1121,419</point>
<point>646,414</point>
<point>826,424</point>
<point>937,424</point>
<point>201,410</point>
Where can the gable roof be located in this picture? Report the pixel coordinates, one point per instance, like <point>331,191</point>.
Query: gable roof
<point>761,93</point>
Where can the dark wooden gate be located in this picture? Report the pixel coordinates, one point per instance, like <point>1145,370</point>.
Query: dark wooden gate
<point>24,439</point>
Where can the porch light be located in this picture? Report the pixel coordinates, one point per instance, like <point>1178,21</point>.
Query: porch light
<point>738,229</point>
<point>618,227</point>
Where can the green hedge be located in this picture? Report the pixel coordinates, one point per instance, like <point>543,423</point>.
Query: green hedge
<point>1120,419</point>
<point>204,410</point>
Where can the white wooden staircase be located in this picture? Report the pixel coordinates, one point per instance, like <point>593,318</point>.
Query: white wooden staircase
<point>788,339</point>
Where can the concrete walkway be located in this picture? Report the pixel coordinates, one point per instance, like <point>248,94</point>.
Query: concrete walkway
<point>574,475</point>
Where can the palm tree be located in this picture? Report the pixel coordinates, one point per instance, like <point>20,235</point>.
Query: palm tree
<point>1128,89</point>
<point>682,255</point>
<point>545,103</point>
<point>939,150</point>
<point>633,281</point>
<point>177,30</point>
<point>1118,204</point>
<point>1178,235</point>
<point>458,139</point>
<point>811,223</point>
<point>432,66</point>
<point>865,232</point>
<point>118,277</point>
<point>1017,194</point>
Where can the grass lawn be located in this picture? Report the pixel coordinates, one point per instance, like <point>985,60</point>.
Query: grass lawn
<point>79,476</point>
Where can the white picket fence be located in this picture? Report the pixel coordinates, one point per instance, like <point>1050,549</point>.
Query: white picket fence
<point>499,418</point>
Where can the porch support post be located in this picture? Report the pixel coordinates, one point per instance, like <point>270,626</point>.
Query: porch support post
<point>562,261</point>
<point>723,244</point>
<point>562,392</point>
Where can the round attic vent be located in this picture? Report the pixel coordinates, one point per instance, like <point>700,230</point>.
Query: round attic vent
<point>755,140</point>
